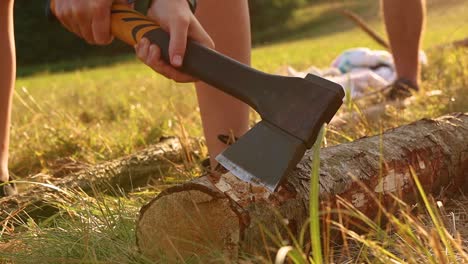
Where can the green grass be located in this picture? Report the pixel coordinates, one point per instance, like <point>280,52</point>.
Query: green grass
<point>314,202</point>
<point>89,114</point>
<point>320,42</point>
<point>87,229</point>
<point>95,114</point>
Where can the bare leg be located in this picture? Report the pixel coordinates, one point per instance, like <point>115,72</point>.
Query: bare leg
<point>405,20</point>
<point>7,78</point>
<point>228,24</point>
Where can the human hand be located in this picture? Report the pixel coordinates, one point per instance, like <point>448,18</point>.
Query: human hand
<point>176,18</point>
<point>89,19</point>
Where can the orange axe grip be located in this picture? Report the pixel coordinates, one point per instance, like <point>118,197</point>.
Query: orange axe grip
<point>127,24</point>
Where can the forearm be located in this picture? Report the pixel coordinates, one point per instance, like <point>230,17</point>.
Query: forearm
<point>7,76</point>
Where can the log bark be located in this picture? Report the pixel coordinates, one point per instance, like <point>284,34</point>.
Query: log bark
<point>126,173</point>
<point>227,216</point>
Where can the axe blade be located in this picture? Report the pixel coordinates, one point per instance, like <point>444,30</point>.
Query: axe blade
<point>263,156</point>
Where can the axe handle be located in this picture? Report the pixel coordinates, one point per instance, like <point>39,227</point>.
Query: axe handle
<point>222,72</point>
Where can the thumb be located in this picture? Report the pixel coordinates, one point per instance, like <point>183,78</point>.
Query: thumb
<point>178,42</point>
<point>198,33</point>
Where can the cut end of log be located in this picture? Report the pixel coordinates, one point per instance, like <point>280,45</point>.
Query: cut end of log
<point>213,218</point>
<point>188,224</point>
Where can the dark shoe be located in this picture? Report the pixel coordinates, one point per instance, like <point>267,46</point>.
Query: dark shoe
<point>401,89</point>
<point>8,189</point>
<point>226,139</point>
<point>207,167</point>
<point>206,164</point>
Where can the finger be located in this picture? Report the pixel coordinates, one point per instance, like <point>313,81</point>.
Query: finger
<point>101,27</point>
<point>79,20</point>
<point>76,29</point>
<point>85,28</point>
<point>172,73</point>
<point>156,62</point>
<point>167,70</point>
<point>143,49</point>
<point>153,55</point>
<point>64,15</point>
<point>66,25</point>
<point>178,42</point>
<point>70,19</point>
<point>198,33</point>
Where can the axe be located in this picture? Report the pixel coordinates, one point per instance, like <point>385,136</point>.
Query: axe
<point>292,109</point>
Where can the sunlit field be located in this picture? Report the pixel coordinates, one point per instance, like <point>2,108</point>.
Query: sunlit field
<point>64,121</point>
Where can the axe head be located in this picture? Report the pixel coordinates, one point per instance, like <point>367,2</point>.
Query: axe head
<point>291,121</point>
<point>263,155</point>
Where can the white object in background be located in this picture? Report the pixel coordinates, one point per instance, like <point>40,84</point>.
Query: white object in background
<point>313,70</point>
<point>423,57</point>
<point>360,82</point>
<point>362,58</point>
<point>360,70</point>
<point>387,73</point>
<point>365,57</point>
<point>292,72</point>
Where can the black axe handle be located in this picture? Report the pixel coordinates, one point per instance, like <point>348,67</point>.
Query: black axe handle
<point>295,105</point>
<point>212,67</point>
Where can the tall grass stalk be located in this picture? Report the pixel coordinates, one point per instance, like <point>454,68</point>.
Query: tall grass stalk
<point>441,230</point>
<point>314,203</point>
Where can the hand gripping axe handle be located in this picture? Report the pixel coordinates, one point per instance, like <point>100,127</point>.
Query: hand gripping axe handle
<point>292,109</point>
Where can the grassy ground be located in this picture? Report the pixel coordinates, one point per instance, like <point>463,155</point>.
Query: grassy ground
<point>89,115</point>
<point>97,114</point>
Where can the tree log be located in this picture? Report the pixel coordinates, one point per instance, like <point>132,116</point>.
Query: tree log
<point>227,216</point>
<point>126,173</point>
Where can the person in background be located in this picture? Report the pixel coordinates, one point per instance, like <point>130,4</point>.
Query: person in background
<point>405,21</point>
<point>220,24</point>
<point>7,79</point>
